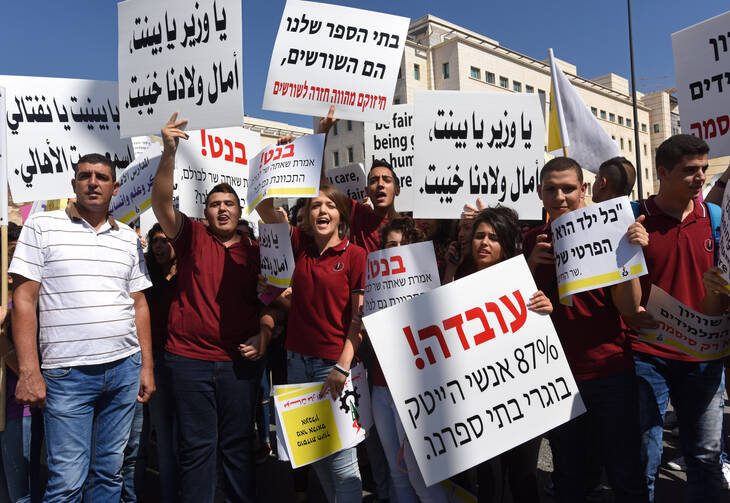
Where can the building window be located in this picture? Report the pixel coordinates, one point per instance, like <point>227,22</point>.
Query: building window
<point>349,125</point>
<point>516,86</point>
<point>503,82</point>
<point>622,143</point>
<point>589,189</point>
<point>629,145</point>
<point>656,128</point>
<point>628,122</point>
<point>613,137</point>
<point>445,67</point>
<point>603,114</point>
<point>416,72</point>
<point>490,77</point>
<point>476,73</point>
<point>612,117</point>
<point>643,128</point>
<point>620,121</point>
<point>530,89</point>
<point>350,154</point>
<point>541,94</point>
<point>334,129</point>
<point>336,158</point>
<point>644,148</point>
<point>646,173</point>
<point>594,111</point>
<point>400,72</point>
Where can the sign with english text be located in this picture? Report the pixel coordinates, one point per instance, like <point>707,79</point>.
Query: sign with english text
<point>350,180</point>
<point>591,248</point>
<point>472,145</point>
<point>179,56</point>
<point>334,55</point>
<point>472,371</point>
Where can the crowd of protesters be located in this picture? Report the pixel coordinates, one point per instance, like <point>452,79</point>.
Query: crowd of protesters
<point>109,347</point>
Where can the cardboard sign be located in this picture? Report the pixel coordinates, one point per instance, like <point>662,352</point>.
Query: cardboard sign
<point>473,145</point>
<point>51,123</point>
<point>135,186</point>
<point>277,257</point>
<point>702,66</point>
<point>472,371</point>
<point>332,55</point>
<point>350,180</point>
<point>393,141</point>
<point>180,56</point>
<point>693,333</point>
<point>591,248</point>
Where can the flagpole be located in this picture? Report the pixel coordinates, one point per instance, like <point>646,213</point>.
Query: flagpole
<point>636,111</point>
<point>3,251</point>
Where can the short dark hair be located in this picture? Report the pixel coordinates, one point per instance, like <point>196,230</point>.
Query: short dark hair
<point>620,175</point>
<point>96,159</point>
<point>406,226</point>
<point>382,163</point>
<point>675,148</point>
<point>13,231</point>
<point>561,164</point>
<point>505,223</point>
<point>224,188</point>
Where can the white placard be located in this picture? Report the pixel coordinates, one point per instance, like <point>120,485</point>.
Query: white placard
<point>277,257</point>
<point>309,428</point>
<point>397,274</point>
<point>135,186</point>
<point>333,55</point>
<point>472,372</point>
<point>591,248</point>
<point>477,145</point>
<point>350,180</point>
<point>140,145</point>
<point>691,332</point>
<point>290,170</point>
<point>180,56</point>
<point>723,251</point>
<point>393,141</point>
<point>51,123</point>
<point>702,66</point>
<point>3,163</point>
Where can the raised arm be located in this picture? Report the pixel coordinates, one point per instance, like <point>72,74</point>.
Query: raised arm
<point>169,218</point>
<point>325,124</point>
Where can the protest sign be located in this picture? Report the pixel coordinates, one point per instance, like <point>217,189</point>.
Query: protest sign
<point>140,144</point>
<point>350,180</point>
<point>702,64</point>
<point>311,428</point>
<point>179,56</point>
<point>591,248</point>
<point>333,55</point>
<point>290,170</point>
<point>393,141</point>
<point>210,157</point>
<point>723,251</point>
<point>51,123</point>
<point>277,257</point>
<point>472,372</point>
<point>135,186</point>
<point>396,274</point>
<point>692,333</point>
<point>471,145</point>
<point>3,163</point>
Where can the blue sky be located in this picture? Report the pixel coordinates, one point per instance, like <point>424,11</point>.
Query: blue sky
<point>78,38</point>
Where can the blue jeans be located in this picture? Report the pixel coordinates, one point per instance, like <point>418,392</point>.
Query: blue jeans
<point>15,459</point>
<point>696,390</point>
<point>613,417</point>
<point>214,405</point>
<point>87,419</point>
<point>338,473</point>
<point>162,418</point>
<point>133,466</point>
<point>407,479</point>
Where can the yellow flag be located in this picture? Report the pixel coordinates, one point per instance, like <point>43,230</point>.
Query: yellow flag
<point>554,140</point>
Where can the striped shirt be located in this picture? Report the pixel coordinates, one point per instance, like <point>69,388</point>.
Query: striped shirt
<point>86,313</point>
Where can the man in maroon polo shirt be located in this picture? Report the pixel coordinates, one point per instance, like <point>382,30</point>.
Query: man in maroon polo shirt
<point>599,354</point>
<point>216,332</point>
<point>681,249</point>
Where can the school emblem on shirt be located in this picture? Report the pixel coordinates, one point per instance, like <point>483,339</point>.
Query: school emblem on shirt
<point>338,267</point>
<point>709,245</point>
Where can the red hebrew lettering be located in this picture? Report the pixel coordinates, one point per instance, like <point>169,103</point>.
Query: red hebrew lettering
<point>521,315</point>
<point>242,158</point>
<point>488,333</point>
<point>215,153</point>
<point>401,268</point>
<point>412,343</point>
<point>288,150</point>
<point>229,155</point>
<point>434,331</point>
<point>457,322</point>
<point>278,153</point>
<point>202,141</point>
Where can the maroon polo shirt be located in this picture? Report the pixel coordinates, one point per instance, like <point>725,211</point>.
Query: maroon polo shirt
<point>215,307</point>
<point>321,306</point>
<point>679,253</point>
<point>365,226</point>
<point>591,332</point>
